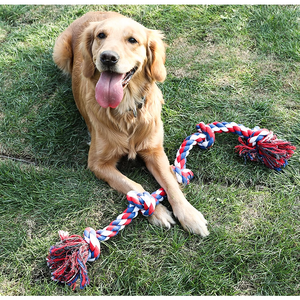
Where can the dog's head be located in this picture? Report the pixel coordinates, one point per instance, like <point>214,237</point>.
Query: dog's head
<point>122,50</point>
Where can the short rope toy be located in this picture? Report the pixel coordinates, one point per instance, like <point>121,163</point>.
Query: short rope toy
<point>68,258</point>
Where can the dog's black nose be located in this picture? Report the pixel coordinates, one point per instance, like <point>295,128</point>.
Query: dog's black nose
<point>109,58</point>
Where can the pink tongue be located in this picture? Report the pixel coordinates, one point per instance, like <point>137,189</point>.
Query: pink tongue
<point>109,90</point>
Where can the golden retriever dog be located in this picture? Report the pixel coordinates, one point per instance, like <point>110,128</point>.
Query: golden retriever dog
<point>115,63</point>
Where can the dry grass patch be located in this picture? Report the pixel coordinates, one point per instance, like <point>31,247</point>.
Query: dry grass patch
<point>11,288</point>
<point>254,211</point>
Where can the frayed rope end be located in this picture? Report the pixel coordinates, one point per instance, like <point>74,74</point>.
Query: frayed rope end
<point>67,259</point>
<point>271,151</point>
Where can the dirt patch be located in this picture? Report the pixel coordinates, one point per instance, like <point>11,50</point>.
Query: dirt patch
<point>252,212</point>
<point>245,288</point>
<point>3,34</point>
<point>11,288</point>
<point>30,227</point>
<point>182,57</point>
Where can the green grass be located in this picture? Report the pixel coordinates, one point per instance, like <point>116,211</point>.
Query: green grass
<point>226,63</point>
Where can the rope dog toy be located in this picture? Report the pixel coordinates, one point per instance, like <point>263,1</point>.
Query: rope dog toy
<point>68,258</point>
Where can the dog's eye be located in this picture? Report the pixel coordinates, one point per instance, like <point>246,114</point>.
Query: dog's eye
<point>132,40</point>
<point>101,35</point>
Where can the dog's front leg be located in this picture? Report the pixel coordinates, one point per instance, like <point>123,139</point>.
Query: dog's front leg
<point>189,217</point>
<point>104,167</point>
<point>108,172</point>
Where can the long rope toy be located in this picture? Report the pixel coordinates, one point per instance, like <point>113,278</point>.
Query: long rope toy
<point>68,258</point>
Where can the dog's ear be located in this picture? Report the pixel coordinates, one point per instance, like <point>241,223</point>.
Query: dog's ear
<point>156,54</point>
<point>87,40</point>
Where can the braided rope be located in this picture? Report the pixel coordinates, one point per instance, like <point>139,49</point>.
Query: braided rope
<point>143,202</point>
<point>68,258</point>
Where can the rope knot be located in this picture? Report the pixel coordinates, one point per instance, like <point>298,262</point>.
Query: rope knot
<point>259,136</point>
<point>208,133</point>
<point>144,201</point>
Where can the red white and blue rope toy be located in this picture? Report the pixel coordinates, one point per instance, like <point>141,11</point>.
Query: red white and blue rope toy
<point>68,258</point>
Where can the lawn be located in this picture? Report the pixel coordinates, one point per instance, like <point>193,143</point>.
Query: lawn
<point>224,63</point>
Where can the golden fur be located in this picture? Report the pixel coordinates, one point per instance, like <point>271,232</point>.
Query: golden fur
<point>134,126</point>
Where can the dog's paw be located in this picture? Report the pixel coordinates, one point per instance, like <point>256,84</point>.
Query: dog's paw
<point>191,219</point>
<point>162,217</point>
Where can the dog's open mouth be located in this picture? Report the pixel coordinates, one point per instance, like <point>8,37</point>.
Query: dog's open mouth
<point>109,88</point>
<point>128,77</point>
